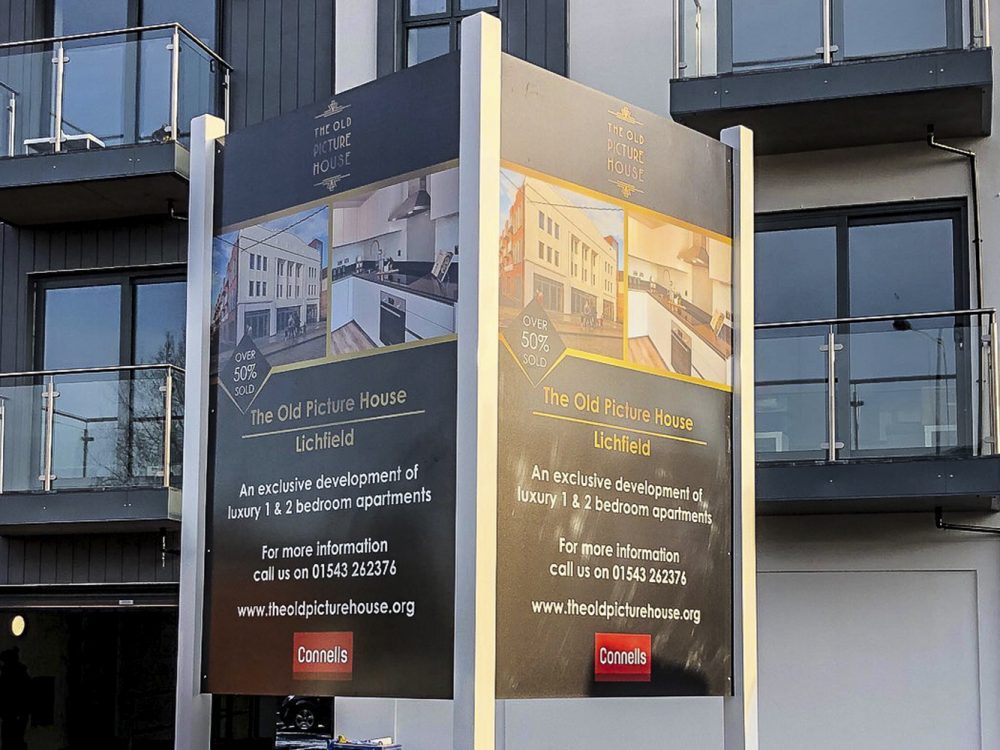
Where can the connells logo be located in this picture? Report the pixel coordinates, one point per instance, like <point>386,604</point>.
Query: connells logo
<point>625,115</point>
<point>323,656</point>
<point>623,657</point>
<point>332,109</point>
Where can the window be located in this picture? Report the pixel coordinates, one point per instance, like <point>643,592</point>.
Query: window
<point>281,267</point>
<point>541,220</point>
<point>548,254</point>
<point>281,289</point>
<point>549,293</point>
<point>557,231</point>
<point>264,258</point>
<point>430,27</point>
<point>541,251</point>
<point>557,256</point>
<point>903,385</point>
<point>549,227</point>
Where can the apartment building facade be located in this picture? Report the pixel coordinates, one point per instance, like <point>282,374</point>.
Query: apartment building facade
<point>876,284</point>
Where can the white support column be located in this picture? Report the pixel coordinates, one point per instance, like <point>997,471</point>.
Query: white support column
<point>740,711</point>
<point>478,349</point>
<point>194,709</point>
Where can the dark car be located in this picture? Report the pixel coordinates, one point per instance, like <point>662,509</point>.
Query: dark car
<point>305,713</point>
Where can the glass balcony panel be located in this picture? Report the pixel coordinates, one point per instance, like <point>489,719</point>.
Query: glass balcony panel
<point>154,87</point>
<point>767,33</point>
<point>22,410</point>
<point>698,53</point>
<point>199,81</point>
<point>96,93</point>
<point>29,71</point>
<point>910,387</point>
<point>886,27</point>
<point>791,405</point>
<point>8,108</point>
<point>116,90</point>
<point>90,432</point>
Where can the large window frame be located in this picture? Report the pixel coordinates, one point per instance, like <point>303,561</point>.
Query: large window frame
<point>452,17</point>
<point>126,279</point>
<point>843,219</point>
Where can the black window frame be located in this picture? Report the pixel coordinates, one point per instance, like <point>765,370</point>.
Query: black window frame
<point>135,15</point>
<point>843,218</point>
<point>126,279</point>
<point>451,17</point>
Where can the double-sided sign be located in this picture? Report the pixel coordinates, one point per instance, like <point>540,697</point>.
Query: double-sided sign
<point>336,312</point>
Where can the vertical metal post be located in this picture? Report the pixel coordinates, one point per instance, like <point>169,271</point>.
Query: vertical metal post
<point>985,12</point>
<point>827,32</point>
<point>175,79</point>
<point>677,38</point>
<point>697,38</point>
<point>225,96</point>
<point>831,347</point>
<point>740,709</point>
<point>50,413</point>
<point>3,442</point>
<point>11,122</point>
<point>168,408</point>
<point>994,383</point>
<point>475,709</point>
<point>60,63</point>
<point>193,717</point>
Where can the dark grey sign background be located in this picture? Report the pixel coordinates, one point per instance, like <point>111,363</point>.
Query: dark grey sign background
<point>560,127</point>
<point>541,656</point>
<point>401,123</point>
<point>394,655</point>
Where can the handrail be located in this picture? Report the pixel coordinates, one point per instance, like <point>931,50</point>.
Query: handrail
<point>90,370</point>
<point>990,311</point>
<point>118,32</point>
<point>9,89</point>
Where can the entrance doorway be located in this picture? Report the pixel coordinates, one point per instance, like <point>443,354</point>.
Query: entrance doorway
<point>93,678</point>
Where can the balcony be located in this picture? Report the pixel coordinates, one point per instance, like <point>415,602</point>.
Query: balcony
<point>880,413</point>
<point>811,74</point>
<point>96,125</point>
<point>100,446</point>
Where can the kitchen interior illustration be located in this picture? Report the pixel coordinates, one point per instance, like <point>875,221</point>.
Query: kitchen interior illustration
<point>394,264</point>
<point>679,299</point>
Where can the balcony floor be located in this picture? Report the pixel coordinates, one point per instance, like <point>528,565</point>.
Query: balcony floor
<point>854,103</point>
<point>102,510</point>
<point>97,185</point>
<point>880,486</point>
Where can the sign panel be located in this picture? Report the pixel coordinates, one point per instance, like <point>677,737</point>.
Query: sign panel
<point>330,564</point>
<point>615,398</point>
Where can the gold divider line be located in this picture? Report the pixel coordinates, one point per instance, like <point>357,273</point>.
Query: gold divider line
<point>333,424</point>
<point>577,420</point>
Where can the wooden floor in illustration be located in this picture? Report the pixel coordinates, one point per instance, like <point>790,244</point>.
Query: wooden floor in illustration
<point>349,338</point>
<point>643,351</point>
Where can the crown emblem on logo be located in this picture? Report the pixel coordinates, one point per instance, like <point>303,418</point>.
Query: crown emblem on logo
<point>627,188</point>
<point>333,108</point>
<point>625,115</point>
<point>330,183</point>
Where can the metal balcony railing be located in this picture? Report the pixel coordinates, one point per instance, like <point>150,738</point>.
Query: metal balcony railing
<point>93,428</point>
<point>723,36</point>
<point>881,386</point>
<point>109,88</point>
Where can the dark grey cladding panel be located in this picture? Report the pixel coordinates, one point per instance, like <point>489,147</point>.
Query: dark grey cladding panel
<point>69,248</point>
<point>392,126</point>
<point>564,129</point>
<point>23,19</point>
<point>105,558</point>
<point>282,52</point>
<point>533,30</point>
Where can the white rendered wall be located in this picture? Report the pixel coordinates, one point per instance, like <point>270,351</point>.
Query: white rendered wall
<point>354,47</point>
<point>623,48</point>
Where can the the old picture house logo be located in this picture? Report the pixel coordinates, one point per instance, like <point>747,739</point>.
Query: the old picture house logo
<point>626,152</point>
<point>332,145</point>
